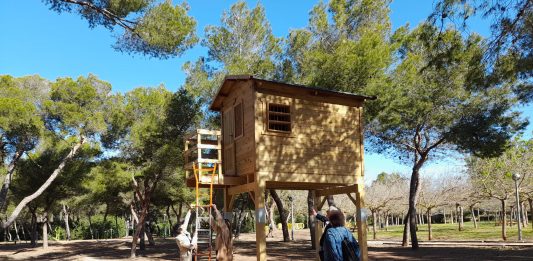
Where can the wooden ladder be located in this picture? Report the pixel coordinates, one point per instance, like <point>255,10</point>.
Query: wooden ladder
<point>204,232</point>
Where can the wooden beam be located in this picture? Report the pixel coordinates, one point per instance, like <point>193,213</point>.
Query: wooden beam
<point>310,94</point>
<point>352,198</point>
<point>299,185</point>
<point>242,188</point>
<point>321,204</point>
<point>252,196</point>
<point>337,190</point>
<point>232,180</point>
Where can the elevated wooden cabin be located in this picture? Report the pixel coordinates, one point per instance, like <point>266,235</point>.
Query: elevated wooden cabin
<point>284,136</point>
<point>284,133</point>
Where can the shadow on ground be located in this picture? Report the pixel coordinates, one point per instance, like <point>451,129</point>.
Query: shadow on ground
<point>166,249</point>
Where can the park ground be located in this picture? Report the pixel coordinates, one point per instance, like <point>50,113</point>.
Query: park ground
<point>449,245</point>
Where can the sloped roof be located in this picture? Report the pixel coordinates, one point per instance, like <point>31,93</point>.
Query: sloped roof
<point>226,88</point>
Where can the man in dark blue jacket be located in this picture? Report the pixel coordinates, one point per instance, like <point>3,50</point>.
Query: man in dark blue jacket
<point>327,225</point>
<point>339,243</point>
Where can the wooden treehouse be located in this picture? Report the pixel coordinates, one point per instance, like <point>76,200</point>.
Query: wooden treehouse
<point>282,136</point>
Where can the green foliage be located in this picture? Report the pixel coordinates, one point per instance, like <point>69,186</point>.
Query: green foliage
<point>243,43</point>
<point>344,47</point>
<point>101,229</point>
<point>159,30</point>
<point>76,106</point>
<point>34,170</point>
<point>165,31</point>
<point>512,33</point>
<point>20,118</point>
<point>107,183</point>
<point>440,96</point>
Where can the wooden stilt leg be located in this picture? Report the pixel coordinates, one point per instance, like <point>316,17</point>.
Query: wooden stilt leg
<point>260,221</point>
<point>361,222</point>
<point>319,227</point>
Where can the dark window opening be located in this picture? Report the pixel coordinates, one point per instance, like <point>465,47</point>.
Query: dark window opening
<point>279,118</point>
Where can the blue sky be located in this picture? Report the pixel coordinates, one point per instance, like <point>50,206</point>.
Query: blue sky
<point>35,40</point>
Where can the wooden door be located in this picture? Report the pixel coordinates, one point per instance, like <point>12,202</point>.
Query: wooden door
<point>228,135</point>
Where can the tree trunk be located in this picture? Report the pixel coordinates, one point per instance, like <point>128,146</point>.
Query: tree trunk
<point>504,217</point>
<point>282,213</point>
<point>24,232</point>
<point>67,227</point>
<point>523,212</point>
<point>406,229</point>
<point>169,220</point>
<point>33,228</point>
<point>374,221</point>
<point>142,243</point>
<point>90,225</point>
<point>45,230</point>
<point>331,201</point>
<point>180,209</point>
<point>272,208</point>
<point>430,236</point>
<point>473,216</point>
<point>311,224</point>
<point>530,200</point>
<point>106,211</point>
<point>148,231</point>
<point>387,221</point>
<point>444,214</point>
<point>116,226</point>
<point>46,184</point>
<point>452,218</point>
<point>7,180</point>
<point>413,197</point>
<point>145,203</point>
<point>17,237</point>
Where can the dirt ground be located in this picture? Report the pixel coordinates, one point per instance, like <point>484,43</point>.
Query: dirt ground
<point>299,249</point>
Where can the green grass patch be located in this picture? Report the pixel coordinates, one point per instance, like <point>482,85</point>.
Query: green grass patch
<point>486,231</point>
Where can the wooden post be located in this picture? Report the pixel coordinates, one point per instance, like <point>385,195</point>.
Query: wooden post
<point>360,195</point>
<point>319,227</point>
<point>260,220</point>
<point>228,204</point>
<point>361,221</point>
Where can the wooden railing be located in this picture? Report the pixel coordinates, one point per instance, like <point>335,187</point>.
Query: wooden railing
<point>203,149</point>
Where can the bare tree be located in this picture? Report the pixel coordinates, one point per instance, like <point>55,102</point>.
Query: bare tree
<point>437,192</point>
<point>381,193</point>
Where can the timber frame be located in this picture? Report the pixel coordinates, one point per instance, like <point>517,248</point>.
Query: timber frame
<point>321,150</point>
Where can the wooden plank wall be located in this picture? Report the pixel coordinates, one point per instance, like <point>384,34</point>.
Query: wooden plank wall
<point>244,145</point>
<point>324,144</point>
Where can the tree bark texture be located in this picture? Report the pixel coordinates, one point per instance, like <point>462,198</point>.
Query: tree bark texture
<point>66,217</point>
<point>46,184</point>
<point>405,238</point>
<point>413,197</point>
<point>45,230</point>
<point>282,213</point>
<point>430,236</point>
